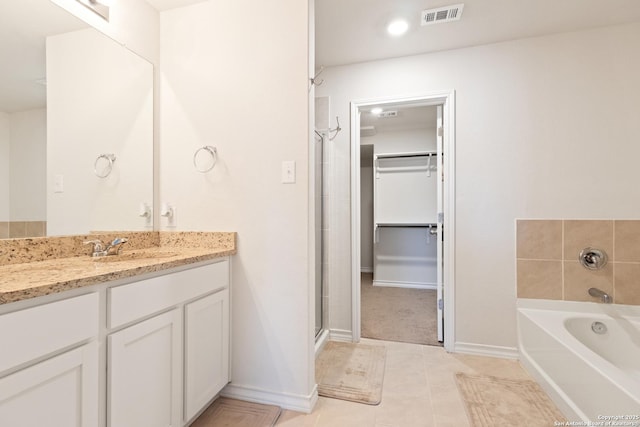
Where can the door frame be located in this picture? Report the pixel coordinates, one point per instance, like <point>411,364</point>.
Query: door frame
<point>447,100</point>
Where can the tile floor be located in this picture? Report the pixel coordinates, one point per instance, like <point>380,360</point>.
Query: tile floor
<point>419,390</point>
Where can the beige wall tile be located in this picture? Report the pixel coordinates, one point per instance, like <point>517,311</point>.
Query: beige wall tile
<point>4,230</point>
<point>539,239</point>
<point>578,280</point>
<point>34,229</point>
<point>540,279</point>
<point>580,234</point>
<point>627,241</point>
<point>16,229</point>
<point>626,284</point>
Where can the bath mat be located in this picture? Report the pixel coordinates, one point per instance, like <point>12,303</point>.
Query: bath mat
<point>493,401</point>
<point>398,314</point>
<point>351,372</point>
<point>226,412</point>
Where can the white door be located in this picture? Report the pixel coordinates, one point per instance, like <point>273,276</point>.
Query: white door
<point>440,210</point>
<point>58,392</point>
<point>206,350</point>
<point>144,371</point>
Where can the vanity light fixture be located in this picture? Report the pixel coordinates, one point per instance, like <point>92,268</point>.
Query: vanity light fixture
<point>97,6</point>
<point>376,111</point>
<point>397,27</point>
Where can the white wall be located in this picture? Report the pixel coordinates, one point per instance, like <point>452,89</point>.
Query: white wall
<point>133,23</point>
<point>547,127</point>
<point>28,165</point>
<point>4,166</point>
<point>99,101</point>
<point>405,140</point>
<point>235,76</point>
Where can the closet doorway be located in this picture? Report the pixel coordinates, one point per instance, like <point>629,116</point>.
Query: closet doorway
<point>402,219</point>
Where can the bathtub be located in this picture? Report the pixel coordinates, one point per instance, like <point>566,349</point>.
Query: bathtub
<point>589,376</point>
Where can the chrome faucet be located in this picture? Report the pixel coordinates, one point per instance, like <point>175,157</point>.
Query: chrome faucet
<point>605,297</point>
<point>113,248</point>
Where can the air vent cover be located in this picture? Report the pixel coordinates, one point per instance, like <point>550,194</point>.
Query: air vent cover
<point>391,113</point>
<point>442,14</point>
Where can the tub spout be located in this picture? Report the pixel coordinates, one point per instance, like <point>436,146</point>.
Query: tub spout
<point>605,297</point>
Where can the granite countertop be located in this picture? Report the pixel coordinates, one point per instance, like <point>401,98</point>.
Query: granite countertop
<point>25,280</point>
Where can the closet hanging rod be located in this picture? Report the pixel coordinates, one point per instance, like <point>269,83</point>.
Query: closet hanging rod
<point>416,154</point>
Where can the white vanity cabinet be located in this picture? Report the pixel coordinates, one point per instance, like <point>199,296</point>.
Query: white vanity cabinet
<point>206,350</point>
<point>150,352</point>
<point>144,368</point>
<point>169,353</point>
<point>49,364</point>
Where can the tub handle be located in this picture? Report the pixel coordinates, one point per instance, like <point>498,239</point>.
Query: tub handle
<point>593,259</point>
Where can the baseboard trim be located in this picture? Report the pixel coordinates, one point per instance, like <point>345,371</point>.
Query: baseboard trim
<point>486,350</point>
<point>340,335</point>
<point>288,401</point>
<point>411,285</point>
<point>321,341</point>
<point>366,269</point>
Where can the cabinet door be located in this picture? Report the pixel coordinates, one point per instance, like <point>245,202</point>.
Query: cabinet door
<point>144,373</point>
<point>206,350</point>
<point>58,392</point>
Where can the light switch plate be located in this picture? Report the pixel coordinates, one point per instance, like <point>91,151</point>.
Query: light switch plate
<point>58,184</point>
<point>288,172</point>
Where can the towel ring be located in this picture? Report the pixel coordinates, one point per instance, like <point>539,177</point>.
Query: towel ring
<point>110,158</point>
<point>214,158</point>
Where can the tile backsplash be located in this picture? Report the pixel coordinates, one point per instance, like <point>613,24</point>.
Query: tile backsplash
<point>547,259</point>
<point>21,229</point>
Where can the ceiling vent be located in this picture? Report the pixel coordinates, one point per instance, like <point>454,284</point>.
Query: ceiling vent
<point>442,14</point>
<point>388,114</point>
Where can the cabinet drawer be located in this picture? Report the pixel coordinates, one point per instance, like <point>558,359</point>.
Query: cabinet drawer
<point>37,331</point>
<point>136,300</point>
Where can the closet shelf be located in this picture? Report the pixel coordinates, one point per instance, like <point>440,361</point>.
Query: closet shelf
<point>406,224</point>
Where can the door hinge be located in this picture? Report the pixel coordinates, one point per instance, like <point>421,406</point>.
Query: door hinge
<point>440,217</point>
<point>440,304</point>
<point>440,131</point>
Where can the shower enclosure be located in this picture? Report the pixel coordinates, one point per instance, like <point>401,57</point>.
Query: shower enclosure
<point>319,229</point>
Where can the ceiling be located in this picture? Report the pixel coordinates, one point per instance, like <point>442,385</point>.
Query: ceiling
<point>350,31</point>
<point>347,31</point>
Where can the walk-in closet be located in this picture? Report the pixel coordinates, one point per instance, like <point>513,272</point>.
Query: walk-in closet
<point>401,182</point>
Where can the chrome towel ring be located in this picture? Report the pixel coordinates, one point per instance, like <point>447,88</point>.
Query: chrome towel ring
<point>108,166</point>
<point>204,166</point>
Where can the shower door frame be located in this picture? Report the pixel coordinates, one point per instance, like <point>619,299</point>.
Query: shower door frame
<point>447,100</point>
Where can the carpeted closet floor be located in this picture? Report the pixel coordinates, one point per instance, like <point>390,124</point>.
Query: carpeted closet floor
<point>398,314</point>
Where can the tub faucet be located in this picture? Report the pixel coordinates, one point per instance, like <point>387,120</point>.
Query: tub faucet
<point>605,297</point>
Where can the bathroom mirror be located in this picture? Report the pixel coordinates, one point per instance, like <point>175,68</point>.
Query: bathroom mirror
<point>69,96</point>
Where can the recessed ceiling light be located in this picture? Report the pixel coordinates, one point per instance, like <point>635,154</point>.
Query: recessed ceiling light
<point>376,110</point>
<point>398,27</point>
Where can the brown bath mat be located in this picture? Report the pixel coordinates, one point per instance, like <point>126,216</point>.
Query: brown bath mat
<point>493,401</point>
<point>351,372</point>
<point>226,412</point>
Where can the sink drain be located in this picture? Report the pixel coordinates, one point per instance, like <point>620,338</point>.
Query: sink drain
<point>599,328</point>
